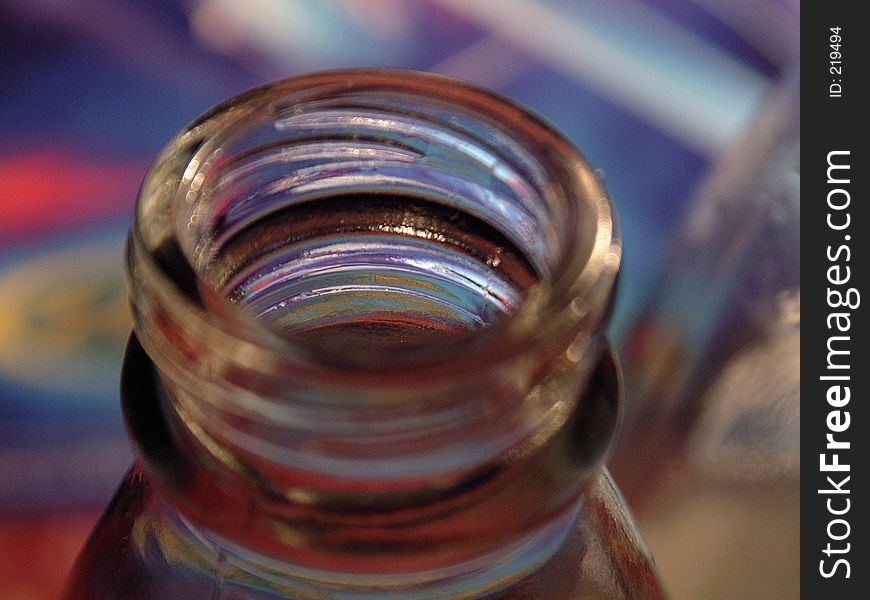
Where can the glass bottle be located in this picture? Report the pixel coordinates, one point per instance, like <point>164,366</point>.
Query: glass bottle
<point>368,359</point>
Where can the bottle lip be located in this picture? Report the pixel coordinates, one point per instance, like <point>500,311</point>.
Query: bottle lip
<point>564,311</point>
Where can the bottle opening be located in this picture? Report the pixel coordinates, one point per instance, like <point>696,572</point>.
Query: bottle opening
<point>383,271</point>
<point>384,220</point>
<point>373,300</point>
<point>370,226</point>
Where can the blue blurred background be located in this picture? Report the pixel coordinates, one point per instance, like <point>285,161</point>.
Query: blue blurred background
<point>684,106</point>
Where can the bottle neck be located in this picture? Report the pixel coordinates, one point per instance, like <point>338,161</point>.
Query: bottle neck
<point>370,307</point>
<point>482,534</point>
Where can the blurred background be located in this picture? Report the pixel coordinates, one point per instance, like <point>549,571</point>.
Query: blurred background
<point>688,108</point>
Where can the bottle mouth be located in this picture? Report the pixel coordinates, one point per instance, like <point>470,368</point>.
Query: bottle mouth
<point>267,235</point>
<point>375,276</point>
<point>375,297</point>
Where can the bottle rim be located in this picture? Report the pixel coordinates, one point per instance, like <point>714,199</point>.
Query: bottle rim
<point>565,310</point>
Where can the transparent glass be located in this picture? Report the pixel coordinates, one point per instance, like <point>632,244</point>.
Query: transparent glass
<point>368,358</point>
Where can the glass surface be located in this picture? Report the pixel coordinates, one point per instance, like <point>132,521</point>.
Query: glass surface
<point>143,550</point>
<point>367,358</point>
